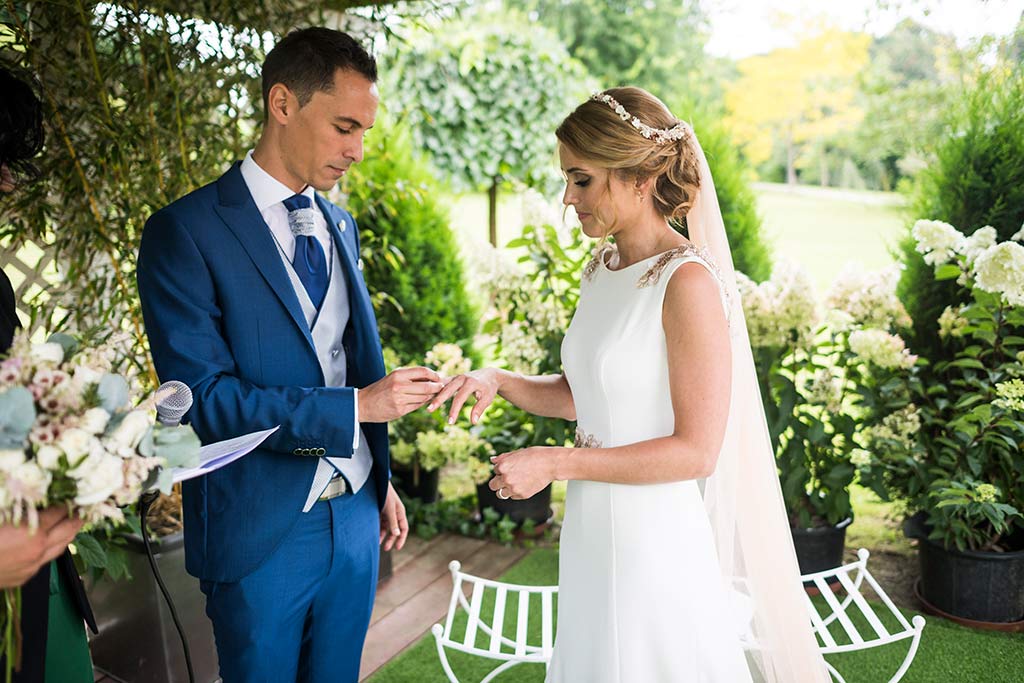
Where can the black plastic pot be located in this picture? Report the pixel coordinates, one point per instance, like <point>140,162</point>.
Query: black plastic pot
<point>423,488</point>
<point>980,586</point>
<point>820,548</point>
<point>536,508</point>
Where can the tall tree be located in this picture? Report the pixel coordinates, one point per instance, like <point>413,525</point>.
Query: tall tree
<point>799,96</point>
<point>483,96</point>
<point>657,45</point>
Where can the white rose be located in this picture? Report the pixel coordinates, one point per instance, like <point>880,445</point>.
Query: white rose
<point>48,457</point>
<point>74,442</point>
<point>84,376</point>
<point>94,420</point>
<point>29,481</point>
<point>98,478</point>
<point>49,352</point>
<point>131,429</point>
<point>11,458</point>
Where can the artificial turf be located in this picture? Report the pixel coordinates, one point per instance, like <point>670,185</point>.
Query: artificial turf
<point>948,653</point>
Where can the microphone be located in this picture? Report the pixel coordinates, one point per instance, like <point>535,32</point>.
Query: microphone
<point>173,399</point>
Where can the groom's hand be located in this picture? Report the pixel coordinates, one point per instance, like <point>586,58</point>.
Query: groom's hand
<point>394,526</point>
<point>398,394</point>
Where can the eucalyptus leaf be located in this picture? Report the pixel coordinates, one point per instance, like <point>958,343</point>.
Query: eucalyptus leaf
<point>17,415</point>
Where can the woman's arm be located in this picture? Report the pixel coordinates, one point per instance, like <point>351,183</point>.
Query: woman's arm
<point>545,395</point>
<point>699,365</point>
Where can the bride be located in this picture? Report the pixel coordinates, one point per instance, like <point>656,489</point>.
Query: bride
<point>675,560</point>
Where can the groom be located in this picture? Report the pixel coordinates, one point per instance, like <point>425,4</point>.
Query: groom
<point>252,295</point>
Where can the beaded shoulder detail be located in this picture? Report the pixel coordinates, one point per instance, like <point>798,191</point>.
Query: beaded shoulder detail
<point>600,252</point>
<point>653,274</point>
<point>584,440</point>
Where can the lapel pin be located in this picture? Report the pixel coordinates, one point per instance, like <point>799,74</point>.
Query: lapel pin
<point>341,225</point>
<point>359,264</point>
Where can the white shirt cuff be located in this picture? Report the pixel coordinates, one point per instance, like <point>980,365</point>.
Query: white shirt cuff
<point>355,419</point>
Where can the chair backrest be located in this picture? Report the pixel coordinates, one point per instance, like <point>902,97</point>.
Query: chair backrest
<point>842,629</point>
<point>493,609</point>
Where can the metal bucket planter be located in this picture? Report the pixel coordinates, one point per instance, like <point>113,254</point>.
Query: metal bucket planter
<point>971,585</point>
<point>421,485</point>
<point>536,508</point>
<point>820,548</point>
<point>137,641</point>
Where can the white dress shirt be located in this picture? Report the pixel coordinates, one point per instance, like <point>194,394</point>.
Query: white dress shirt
<point>269,193</point>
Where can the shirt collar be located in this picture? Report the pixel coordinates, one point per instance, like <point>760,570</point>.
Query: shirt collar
<point>266,190</point>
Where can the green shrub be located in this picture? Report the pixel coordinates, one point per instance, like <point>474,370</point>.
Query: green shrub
<point>976,179</point>
<point>412,263</point>
<point>751,253</point>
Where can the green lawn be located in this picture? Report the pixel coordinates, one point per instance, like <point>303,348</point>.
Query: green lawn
<point>820,228</point>
<point>948,653</point>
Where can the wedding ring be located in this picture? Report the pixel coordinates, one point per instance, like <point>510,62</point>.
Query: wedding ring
<point>501,496</point>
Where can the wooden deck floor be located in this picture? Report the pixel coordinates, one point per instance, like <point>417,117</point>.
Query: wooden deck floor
<point>415,597</point>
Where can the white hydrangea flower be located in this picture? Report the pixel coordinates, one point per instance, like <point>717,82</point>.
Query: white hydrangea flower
<point>826,389</point>
<point>1000,270</point>
<point>860,457</point>
<point>982,239</point>
<point>1019,235</point>
<point>900,427</point>
<point>937,240</point>
<point>1011,395</point>
<point>881,348</point>
<point>447,359</point>
<point>521,350</point>
<point>951,323</point>
<point>868,298</point>
<point>780,310</point>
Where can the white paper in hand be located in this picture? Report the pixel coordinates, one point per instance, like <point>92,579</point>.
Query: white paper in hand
<point>216,455</point>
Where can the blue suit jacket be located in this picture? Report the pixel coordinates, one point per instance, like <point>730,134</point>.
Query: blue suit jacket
<point>222,316</point>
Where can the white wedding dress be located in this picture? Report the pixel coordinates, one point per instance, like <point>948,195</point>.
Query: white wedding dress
<point>641,595</point>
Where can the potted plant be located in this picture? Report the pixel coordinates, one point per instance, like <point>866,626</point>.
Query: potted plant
<point>419,448</point>
<point>808,387</point>
<point>527,307</point>
<point>944,437</point>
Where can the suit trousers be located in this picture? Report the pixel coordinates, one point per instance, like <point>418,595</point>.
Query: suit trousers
<point>303,614</point>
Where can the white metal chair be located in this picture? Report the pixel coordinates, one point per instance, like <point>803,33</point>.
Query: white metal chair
<point>847,637</point>
<point>496,646</point>
<point>836,630</point>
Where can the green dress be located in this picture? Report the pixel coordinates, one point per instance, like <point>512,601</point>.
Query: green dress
<point>67,648</point>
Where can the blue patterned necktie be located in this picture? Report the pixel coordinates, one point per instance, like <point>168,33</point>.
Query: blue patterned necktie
<point>309,262</point>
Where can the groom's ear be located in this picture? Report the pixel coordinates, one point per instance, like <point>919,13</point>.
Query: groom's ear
<point>280,103</point>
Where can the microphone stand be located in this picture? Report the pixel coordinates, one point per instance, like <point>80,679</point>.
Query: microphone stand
<point>145,501</point>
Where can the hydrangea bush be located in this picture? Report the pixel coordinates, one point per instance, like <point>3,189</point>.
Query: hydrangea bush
<point>944,437</point>
<point>806,355</point>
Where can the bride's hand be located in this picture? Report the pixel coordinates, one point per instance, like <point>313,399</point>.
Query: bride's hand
<point>482,384</point>
<point>521,474</point>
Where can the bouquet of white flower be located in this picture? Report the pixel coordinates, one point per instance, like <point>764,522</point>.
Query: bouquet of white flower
<point>69,435</point>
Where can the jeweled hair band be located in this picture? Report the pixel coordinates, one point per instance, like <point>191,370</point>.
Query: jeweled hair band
<point>659,135</point>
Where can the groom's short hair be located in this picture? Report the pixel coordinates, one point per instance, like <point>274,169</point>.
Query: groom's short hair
<point>306,60</point>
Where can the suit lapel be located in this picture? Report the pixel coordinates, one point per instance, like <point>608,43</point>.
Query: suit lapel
<point>239,213</point>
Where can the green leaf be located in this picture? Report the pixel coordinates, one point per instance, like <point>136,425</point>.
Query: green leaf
<point>90,550</point>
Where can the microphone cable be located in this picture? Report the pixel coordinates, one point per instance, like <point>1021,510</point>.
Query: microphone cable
<point>145,501</point>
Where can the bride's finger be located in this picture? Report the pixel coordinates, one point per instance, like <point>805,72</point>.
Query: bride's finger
<point>449,390</point>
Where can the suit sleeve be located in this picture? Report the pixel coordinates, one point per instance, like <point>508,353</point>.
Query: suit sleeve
<point>184,326</point>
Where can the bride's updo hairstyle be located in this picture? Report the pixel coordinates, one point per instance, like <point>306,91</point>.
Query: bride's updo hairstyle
<point>632,133</point>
